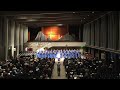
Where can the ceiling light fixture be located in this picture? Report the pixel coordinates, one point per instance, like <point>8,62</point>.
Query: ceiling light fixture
<point>59,24</point>
<point>31,20</point>
<point>22,17</point>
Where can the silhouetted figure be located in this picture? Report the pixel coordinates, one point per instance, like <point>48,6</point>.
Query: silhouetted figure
<point>58,68</point>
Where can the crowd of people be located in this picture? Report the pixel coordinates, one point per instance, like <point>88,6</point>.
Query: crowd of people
<point>89,69</point>
<point>26,67</point>
<point>66,53</point>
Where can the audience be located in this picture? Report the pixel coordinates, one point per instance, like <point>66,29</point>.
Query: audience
<point>27,66</point>
<point>89,69</point>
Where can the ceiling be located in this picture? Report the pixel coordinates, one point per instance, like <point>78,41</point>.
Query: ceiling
<point>48,18</point>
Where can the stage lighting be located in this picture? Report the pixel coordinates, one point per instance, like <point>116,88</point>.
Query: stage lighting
<point>58,55</point>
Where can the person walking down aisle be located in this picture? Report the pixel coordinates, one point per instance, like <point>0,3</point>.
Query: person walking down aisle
<point>58,68</point>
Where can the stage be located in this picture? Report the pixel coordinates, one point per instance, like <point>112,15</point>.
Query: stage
<point>34,46</point>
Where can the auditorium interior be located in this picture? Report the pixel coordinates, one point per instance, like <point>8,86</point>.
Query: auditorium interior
<point>59,44</point>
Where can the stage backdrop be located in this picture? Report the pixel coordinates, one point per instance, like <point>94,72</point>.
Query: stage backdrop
<point>54,33</point>
<point>32,33</point>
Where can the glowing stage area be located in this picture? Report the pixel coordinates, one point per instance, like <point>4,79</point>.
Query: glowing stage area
<point>58,54</point>
<point>34,46</point>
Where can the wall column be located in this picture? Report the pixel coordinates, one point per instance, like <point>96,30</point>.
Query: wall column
<point>9,40</point>
<point>21,38</point>
<point>12,36</point>
<point>1,39</point>
<point>119,33</point>
<point>81,33</point>
<point>25,35</point>
<point>17,38</point>
<point>5,27</point>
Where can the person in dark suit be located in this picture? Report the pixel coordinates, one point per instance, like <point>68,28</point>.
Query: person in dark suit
<point>58,68</point>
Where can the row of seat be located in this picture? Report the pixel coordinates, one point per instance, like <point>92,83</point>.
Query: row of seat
<point>27,68</point>
<point>89,69</point>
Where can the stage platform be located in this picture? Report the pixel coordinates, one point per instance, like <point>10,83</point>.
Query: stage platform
<point>37,45</point>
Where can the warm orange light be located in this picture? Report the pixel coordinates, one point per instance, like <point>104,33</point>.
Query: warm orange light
<point>54,32</point>
<point>54,37</point>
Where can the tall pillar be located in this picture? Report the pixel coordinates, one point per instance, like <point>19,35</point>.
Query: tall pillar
<point>9,40</point>
<point>1,38</point>
<point>25,34</point>
<point>81,33</point>
<point>17,38</point>
<point>21,37</point>
<point>12,36</point>
<point>9,34</point>
<point>119,33</point>
<point>15,41</point>
<point>5,27</point>
<point>11,27</point>
<point>92,34</point>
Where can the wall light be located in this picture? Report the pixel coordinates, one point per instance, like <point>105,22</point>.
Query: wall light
<point>31,20</point>
<point>59,24</point>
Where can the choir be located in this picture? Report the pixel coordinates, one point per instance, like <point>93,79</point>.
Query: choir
<point>59,53</point>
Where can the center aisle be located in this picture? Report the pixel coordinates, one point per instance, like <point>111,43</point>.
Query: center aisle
<point>62,70</point>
